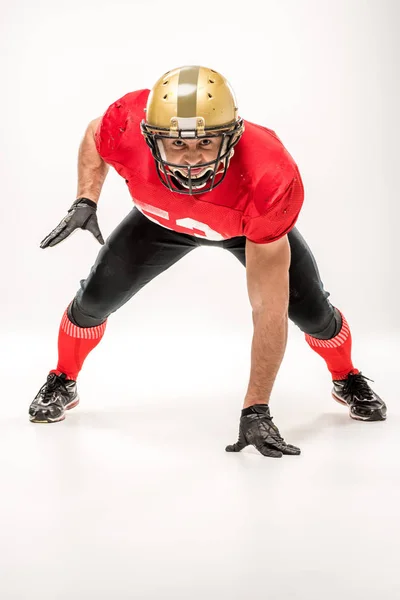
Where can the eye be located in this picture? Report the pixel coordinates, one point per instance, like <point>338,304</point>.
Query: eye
<point>178,143</point>
<point>206,142</point>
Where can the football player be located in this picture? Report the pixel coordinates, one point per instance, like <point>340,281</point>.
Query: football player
<point>200,175</point>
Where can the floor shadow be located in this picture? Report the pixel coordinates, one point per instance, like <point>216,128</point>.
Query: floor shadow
<point>322,423</point>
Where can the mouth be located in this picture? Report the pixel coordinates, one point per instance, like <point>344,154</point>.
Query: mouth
<point>196,172</point>
<point>199,177</point>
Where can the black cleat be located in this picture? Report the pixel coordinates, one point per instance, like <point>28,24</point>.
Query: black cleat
<point>56,396</point>
<point>362,401</point>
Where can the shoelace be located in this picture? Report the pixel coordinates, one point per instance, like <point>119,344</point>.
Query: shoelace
<point>356,385</point>
<point>47,390</point>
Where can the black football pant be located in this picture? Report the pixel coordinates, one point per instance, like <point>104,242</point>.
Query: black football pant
<point>139,249</point>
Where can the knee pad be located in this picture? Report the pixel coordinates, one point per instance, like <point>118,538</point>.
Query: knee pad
<point>316,317</point>
<point>78,318</point>
<point>328,327</point>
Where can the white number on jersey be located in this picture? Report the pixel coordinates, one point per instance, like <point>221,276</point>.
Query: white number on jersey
<point>187,222</point>
<point>210,234</point>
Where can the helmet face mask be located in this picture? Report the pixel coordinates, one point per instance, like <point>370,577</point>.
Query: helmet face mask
<point>183,178</point>
<point>192,103</point>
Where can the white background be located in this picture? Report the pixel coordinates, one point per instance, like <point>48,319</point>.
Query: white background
<point>133,496</point>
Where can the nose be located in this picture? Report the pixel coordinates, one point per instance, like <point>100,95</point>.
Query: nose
<point>193,157</point>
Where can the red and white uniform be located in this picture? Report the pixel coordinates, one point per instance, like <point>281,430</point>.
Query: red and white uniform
<point>260,197</point>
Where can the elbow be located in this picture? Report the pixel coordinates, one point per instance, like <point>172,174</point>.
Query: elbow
<point>271,297</point>
<point>267,270</point>
<point>94,123</point>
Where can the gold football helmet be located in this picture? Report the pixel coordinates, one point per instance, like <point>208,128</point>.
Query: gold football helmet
<point>192,102</point>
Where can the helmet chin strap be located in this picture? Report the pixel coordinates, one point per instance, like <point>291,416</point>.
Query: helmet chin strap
<point>197,182</point>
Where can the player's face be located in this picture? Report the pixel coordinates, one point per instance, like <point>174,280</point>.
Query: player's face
<point>191,152</point>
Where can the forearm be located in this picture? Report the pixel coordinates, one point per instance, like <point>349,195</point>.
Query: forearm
<point>268,285</point>
<point>267,351</point>
<point>92,170</point>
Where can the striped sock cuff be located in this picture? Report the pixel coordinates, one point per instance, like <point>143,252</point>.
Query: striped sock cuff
<point>87,333</point>
<point>335,342</point>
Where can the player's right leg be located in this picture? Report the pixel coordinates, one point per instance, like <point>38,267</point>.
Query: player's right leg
<point>135,253</point>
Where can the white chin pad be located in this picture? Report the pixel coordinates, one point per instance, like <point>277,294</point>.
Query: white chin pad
<point>194,185</point>
<point>196,182</point>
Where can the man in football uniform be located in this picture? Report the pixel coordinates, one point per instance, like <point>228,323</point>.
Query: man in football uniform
<point>200,175</point>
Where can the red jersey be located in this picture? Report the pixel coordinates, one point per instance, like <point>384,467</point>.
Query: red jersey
<point>260,197</point>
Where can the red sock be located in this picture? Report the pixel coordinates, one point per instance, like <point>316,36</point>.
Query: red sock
<point>336,352</point>
<point>74,344</point>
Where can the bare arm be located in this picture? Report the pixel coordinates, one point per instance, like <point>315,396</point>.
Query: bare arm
<point>92,169</point>
<point>267,271</point>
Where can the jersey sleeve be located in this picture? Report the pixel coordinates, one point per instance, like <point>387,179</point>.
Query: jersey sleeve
<point>280,216</point>
<point>113,134</point>
<point>108,134</point>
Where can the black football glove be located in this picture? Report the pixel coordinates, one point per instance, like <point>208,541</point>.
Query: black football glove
<point>81,214</point>
<point>257,429</point>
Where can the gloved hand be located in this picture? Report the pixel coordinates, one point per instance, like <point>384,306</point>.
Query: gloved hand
<point>81,214</point>
<point>257,429</point>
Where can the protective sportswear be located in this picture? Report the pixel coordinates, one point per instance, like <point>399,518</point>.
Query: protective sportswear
<point>257,429</point>
<point>56,395</point>
<point>260,198</point>
<point>192,102</point>
<point>81,214</point>
<point>364,404</point>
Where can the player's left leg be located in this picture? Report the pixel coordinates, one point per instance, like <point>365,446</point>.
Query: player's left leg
<point>326,329</point>
<point>328,333</point>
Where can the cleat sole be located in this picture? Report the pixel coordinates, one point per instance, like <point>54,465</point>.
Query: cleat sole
<point>67,407</point>
<point>375,416</point>
<point>33,420</point>
<point>73,404</point>
<point>339,400</point>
